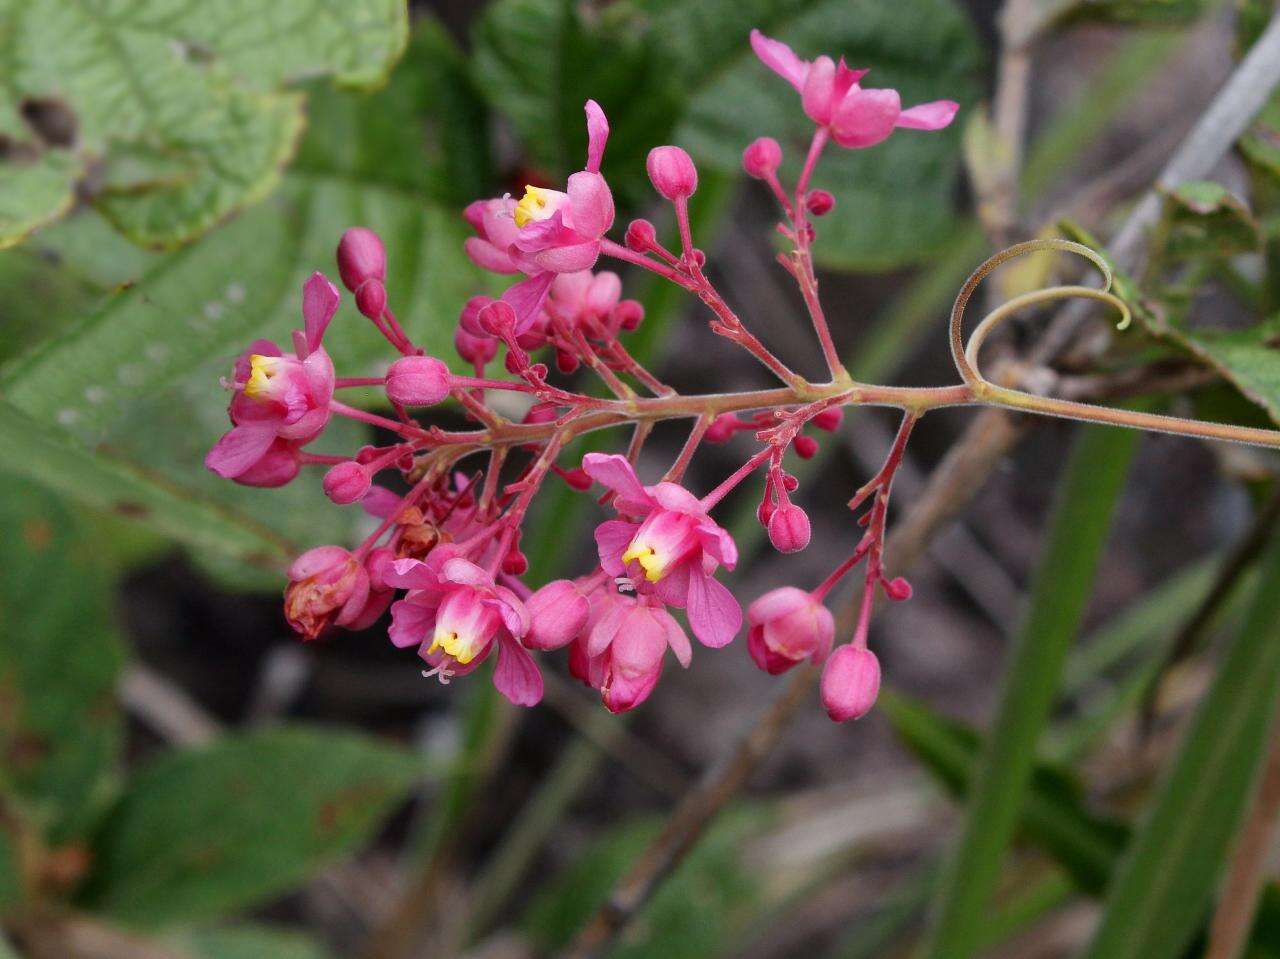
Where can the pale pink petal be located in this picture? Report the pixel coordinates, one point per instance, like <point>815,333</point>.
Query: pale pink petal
<point>612,538</point>
<point>777,602</point>
<point>718,543</point>
<point>541,234</point>
<point>818,95</point>
<point>464,573</point>
<point>239,448</point>
<point>378,602</point>
<point>381,503</point>
<point>780,58</point>
<point>597,135</point>
<point>487,256</point>
<point>714,615</point>
<point>606,630</point>
<point>590,205</point>
<point>320,376</point>
<point>676,638</point>
<point>675,497</point>
<point>517,676</point>
<point>615,471</point>
<point>865,117</point>
<point>929,116</point>
<point>673,589</point>
<point>316,560</point>
<point>568,258</point>
<point>412,574</point>
<point>354,606</point>
<point>624,692</point>
<point>319,303</point>
<point>527,297</point>
<point>513,612</point>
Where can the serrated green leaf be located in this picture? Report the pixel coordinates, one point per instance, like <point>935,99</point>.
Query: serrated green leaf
<point>59,728</point>
<point>248,942</point>
<point>202,832</point>
<point>1163,887</point>
<point>191,84</point>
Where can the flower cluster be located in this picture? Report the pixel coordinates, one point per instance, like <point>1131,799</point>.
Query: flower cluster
<point>445,557</point>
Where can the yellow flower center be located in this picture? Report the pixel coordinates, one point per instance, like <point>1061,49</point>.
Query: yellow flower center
<point>460,649</point>
<point>654,566</point>
<point>536,204</point>
<point>261,371</point>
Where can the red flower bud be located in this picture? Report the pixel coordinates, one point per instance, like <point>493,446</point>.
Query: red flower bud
<point>628,314</point>
<point>577,479</point>
<point>641,236</point>
<point>829,419</point>
<point>819,202</point>
<point>805,447</point>
<point>722,428</point>
<point>475,349</point>
<point>762,157</point>
<point>672,172</point>
<point>898,589</point>
<point>371,299</point>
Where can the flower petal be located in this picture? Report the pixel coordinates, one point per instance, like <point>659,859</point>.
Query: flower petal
<point>597,135</point>
<point>612,538</point>
<point>929,116</point>
<point>239,448</point>
<point>714,615</point>
<point>615,471</point>
<point>780,58</point>
<point>527,297</point>
<point>590,205</point>
<point>676,638</point>
<point>517,676</point>
<point>865,117</point>
<point>319,303</point>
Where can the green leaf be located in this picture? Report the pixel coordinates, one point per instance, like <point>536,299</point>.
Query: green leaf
<point>1203,218</point>
<point>1053,816</point>
<point>187,89</point>
<point>248,942</point>
<point>894,202</point>
<point>1164,885</point>
<point>34,190</point>
<point>1136,12</point>
<point>59,728</point>
<point>1063,582</point>
<point>202,832</point>
<point>112,484</point>
<point>690,915</point>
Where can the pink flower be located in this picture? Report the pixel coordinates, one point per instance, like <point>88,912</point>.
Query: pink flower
<point>418,381</point>
<point>327,585</point>
<point>561,231</point>
<point>672,173</point>
<point>456,614</point>
<point>496,231</point>
<point>668,546</point>
<point>850,683</point>
<point>620,652</point>
<point>592,302</point>
<point>787,625</point>
<point>789,528</point>
<point>832,97</point>
<point>279,395</point>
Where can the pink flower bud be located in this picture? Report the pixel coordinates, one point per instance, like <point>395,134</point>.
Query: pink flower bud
<point>361,257</point>
<point>790,483</point>
<point>829,419</point>
<point>557,612</point>
<point>497,318</point>
<point>628,314</point>
<point>805,447</point>
<point>850,683</point>
<point>641,236</point>
<point>819,202</point>
<point>722,428</point>
<point>515,563</point>
<point>469,318</point>
<point>762,158</point>
<point>672,172</point>
<point>418,381</point>
<point>371,299</point>
<point>765,511</point>
<point>898,589</point>
<point>789,528</point>
<point>475,349</point>
<point>347,482</point>
<point>786,626</point>
<point>577,479</point>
